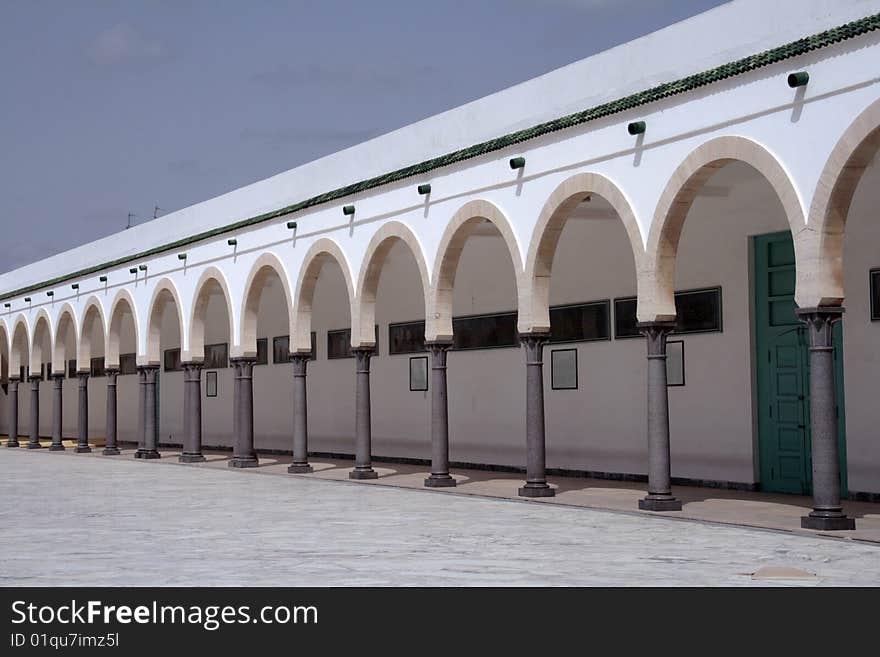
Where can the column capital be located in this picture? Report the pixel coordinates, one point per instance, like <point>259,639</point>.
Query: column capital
<point>35,378</point>
<point>111,373</point>
<point>363,355</point>
<point>300,362</point>
<point>820,324</point>
<point>656,334</point>
<point>244,366</point>
<point>192,370</point>
<point>534,346</point>
<point>83,377</point>
<point>148,373</point>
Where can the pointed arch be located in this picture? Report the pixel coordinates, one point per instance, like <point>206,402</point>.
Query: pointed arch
<point>164,292</point>
<point>438,318</point>
<point>380,245</point>
<point>535,317</point>
<point>20,346</point>
<point>322,251</point>
<point>67,321</point>
<point>210,278</point>
<point>42,331</point>
<point>656,279</point>
<point>264,266</point>
<point>123,303</point>
<point>820,274</point>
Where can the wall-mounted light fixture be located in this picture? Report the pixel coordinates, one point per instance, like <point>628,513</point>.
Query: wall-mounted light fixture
<point>232,241</point>
<point>291,225</point>
<point>636,128</point>
<point>142,267</point>
<point>425,189</point>
<point>798,79</point>
<point>133,270</point>
<point>517,162</point>
<point>103,279</point>
<point>27,299</point>
<point>50,293</point>
<point>75,286</point>
<point>7,305</point>
<point>181,256</point>
<point>348,210</point>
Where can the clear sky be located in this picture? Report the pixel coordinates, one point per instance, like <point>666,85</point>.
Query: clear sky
<point>109,107</point>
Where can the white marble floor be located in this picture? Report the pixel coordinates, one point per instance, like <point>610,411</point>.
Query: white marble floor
<point>69,520</point>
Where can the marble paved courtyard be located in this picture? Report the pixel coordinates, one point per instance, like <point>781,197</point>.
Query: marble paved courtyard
<point>80,520</point>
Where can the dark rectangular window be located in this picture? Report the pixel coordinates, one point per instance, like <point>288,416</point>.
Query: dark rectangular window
<point>172,360</point>
<point>97,366</point>
<point>128,364</point>
<point>485,331</point>
<point>71,368</point>
<point>262,351</point>
<point>697,311</point>
<point>580,322</point>
<point>281,348</point>
<point>47,371</point>
<point>339,344</point>
<point>406,338</point>
<point>216,356</point>
<point>875,294</point>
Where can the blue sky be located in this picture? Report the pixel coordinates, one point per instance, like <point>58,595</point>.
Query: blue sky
<point>113,107</point>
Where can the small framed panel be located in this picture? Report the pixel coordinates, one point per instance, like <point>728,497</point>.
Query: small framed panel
<point>875,294</point>
<point>563,369</point>
<point>210,384</point>
<point>418,373</point>
<point>675,363</point>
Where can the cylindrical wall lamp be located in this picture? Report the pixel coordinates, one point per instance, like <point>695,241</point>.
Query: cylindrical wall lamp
<point>7,305</point>
<point>50,293</point>
<point>143,267</point>
<point>27,299</point>
<point>291,225</point>
<point>798,79</point>
<point>517,162</point>
<point>425,189</point>
<point>636,128</point>
<point>348,210</point>
<point>181,256</point>
<point>232,241</point>
<point>75,286</point>
<point>133,270</point>
<point>103,279</point>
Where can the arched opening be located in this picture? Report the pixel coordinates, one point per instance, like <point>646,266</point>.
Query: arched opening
<point>164,347</point>
<point>19,355</point>
<point>211,336</point>
<point>581,269</point>
<point>121,353</point>
<point>64,363</point>
<point>41,356</point>
<point>475,303</point>
<point>266,323</point>
<point>391,301</point>
<point>323,301</point>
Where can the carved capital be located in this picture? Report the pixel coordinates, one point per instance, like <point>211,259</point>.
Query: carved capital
<point>299,362</point>
<point>363,355</point>
<point>533,343</point>
<point>656,333</point>
<point>820,325</point>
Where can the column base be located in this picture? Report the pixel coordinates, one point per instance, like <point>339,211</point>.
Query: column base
<point>34,446</point>
<point>363,473</point>
<point>537,489</point>
<point>440,481</point>
<point>823,521</point>
<point>12,443</point>
<point>82,449</point>
<point>244,462</point>
<point>56,448</point>
<point>659,503</point>
<point>190,458</point>
<point>111,451</point>
<point>147,454</point>
<point>300,468</point>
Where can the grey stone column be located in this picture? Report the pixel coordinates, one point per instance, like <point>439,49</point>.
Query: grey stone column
<point>192,413</point>
<point>536,477</point>
<point>12,430</point>
<point>363,468</point>
<point>34,442</point>
<point>659,497</point>
<point>440,477</point>
<point>300,463</point>
<point>827,513</point>
<point>142,391</point>
<point>110,444</point>
<point>244,455</point>
<point>57,413</point>
<point>149,430</point>
<point>82,422</point>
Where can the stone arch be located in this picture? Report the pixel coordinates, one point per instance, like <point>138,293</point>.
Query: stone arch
<point>371,268</point>
<point>42,330</point>
<point>4,350</point>
<point>66,322</point>
<point>266,264</point>
<point>820,275</point>
<point>535,317</point>
<point>20,345</point>
<point>210,277</point>
<point>438,315</point>
<point>164,291</point>
<point>123,301</point>
<point>656,278</point>
<point>322,251</point>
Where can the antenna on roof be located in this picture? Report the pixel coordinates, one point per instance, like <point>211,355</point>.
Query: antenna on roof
<point>156,211</point>
<point>131,215</point>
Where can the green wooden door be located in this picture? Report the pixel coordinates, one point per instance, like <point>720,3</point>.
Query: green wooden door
<point>783,373</point>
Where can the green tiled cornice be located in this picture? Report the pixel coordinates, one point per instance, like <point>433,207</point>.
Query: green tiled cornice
<point>666,90</point>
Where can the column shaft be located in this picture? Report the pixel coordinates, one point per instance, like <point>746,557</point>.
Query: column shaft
<point>110,445</point>
<point>192,413</point>
<point>34,442</point>
<point>536,477</point>
<point>57,413</point>
<point>300,416</point>
<point>440,477</point>
<point>12,429</point>
<point>244,455</point>
<point>659,496</point>
<point>82,422</point>
<point>827,513</point>
<point>141,426</point>
<point>363,468</point>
